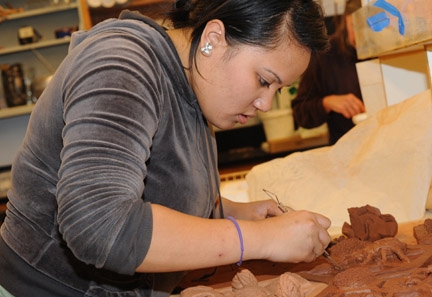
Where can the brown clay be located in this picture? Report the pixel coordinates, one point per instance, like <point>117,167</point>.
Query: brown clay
<point>374,264</point>
<point>385,267</point>
<point>423,232</point>
<point>367,223</point>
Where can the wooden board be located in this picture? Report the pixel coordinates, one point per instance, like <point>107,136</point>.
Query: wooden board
<point>417,20</point>
<point>296,143</point>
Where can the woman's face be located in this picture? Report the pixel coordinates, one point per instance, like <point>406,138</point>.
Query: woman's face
<point>234,83</point>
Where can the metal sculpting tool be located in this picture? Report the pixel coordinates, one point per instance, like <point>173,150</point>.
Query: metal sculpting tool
<point>332,261</point>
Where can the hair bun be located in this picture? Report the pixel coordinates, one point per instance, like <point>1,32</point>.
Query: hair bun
<point>179,4</point>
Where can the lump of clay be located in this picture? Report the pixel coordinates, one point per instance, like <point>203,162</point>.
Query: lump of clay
<point>384,250</point>
<point>245,284</point>
<point>291,285</point>
<point>361,281</point>
<point>200,291</point>
<point>348,246</point>
<point>256,291</point>
<point>367,223</point>
<point>242,279</point>
<point>423,232</point>
<point>357,277</point>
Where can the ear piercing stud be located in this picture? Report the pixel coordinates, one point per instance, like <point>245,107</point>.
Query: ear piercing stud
<point>207,48</point>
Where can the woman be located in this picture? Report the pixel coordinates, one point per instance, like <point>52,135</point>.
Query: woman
<point>329,91</point>
<point>116,180</point>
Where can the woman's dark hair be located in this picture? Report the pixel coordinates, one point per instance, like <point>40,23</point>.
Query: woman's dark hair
<point>263,23</point>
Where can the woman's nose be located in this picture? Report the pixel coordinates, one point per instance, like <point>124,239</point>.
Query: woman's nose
<point>264,103</point>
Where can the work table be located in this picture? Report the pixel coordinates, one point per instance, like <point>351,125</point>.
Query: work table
<point>221,277</point>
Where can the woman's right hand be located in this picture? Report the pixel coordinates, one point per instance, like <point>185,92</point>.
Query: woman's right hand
<point>299,236</point>
<point>348,104</point>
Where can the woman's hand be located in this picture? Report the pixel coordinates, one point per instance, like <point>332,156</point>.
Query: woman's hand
<point>298,236</point>
<point>348,105</point>
<point>252,210</point>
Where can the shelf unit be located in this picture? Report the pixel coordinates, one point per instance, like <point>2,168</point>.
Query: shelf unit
<point>397,65</point>
<point>40,58</point>
<point>16,111</point>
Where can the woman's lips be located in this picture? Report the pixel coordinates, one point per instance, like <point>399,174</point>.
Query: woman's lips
<point>242,119</point>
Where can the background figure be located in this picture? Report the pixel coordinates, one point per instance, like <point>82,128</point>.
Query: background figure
<point>329,91</point>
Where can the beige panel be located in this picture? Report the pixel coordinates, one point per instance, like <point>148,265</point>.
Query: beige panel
<point>404,75</point>
<point>372,85</point>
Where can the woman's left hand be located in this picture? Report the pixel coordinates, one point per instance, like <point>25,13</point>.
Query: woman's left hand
<point>252,210</point>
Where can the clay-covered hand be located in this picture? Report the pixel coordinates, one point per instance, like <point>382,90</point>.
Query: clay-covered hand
<point>298,236</point>
<point>348,105</point>
<point>252,210</point>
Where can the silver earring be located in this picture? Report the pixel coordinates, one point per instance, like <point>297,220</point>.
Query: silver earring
<point>207,48</point>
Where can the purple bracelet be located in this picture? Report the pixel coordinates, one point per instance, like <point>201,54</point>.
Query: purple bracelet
<point>240,237</point>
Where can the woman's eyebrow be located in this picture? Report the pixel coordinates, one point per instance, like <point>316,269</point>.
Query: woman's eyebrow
<point>275,75</point>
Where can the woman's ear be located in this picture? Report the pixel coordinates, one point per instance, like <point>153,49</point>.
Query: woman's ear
<point>214,34</point>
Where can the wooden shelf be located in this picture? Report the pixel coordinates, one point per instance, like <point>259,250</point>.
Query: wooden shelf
<point>38,59</point>
<point>16,111</point>
<point>40,11</point>
<point>36,45</point>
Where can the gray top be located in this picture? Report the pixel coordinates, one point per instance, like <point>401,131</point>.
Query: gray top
<point>117,128</point>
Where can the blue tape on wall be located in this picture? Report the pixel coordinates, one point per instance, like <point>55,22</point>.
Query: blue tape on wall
<point>380,21</point>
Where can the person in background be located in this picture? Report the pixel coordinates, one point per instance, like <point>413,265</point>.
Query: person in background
<point>329,91</point>
<point>115,189</point>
